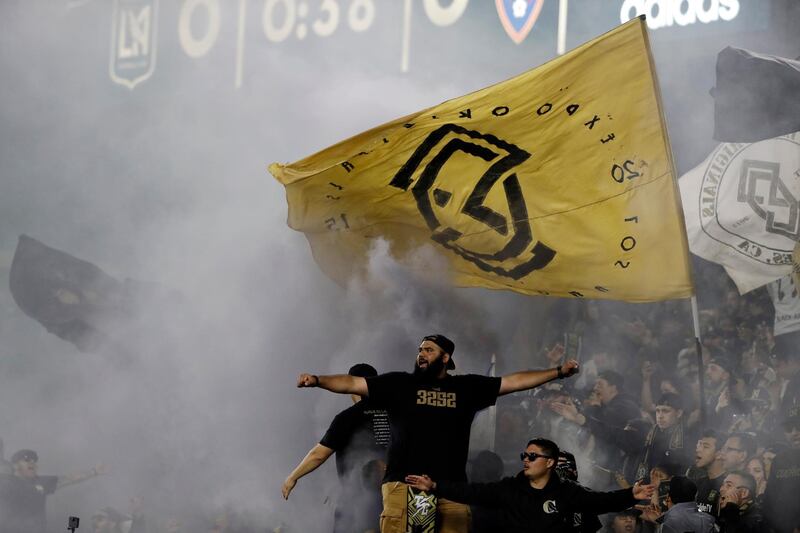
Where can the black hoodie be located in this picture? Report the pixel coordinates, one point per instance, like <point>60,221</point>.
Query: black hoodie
<point>525,509</point>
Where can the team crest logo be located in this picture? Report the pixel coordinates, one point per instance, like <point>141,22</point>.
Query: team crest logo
<point>497,239</point>
<point>133,41</point>
<point>518,16</point>
<point>421,509</point>
<point>549,507</point>
<point>750,198</point>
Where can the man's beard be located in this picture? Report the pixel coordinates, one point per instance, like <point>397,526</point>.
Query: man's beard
<point>433,370</point>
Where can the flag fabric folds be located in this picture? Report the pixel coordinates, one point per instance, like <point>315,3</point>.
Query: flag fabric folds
<point>796,264</point>
<point>756,96</point>
<point>742,209</point>
<point>78,302</point>
<point>786,300</point>
<point>556,182</point>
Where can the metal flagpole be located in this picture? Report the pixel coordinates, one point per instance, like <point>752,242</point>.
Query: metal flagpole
<point>493,408</point>
<point>699,349</point>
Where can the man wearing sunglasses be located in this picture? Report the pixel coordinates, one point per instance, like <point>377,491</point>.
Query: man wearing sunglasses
<point>536,499</point>
<point>23,494</point>
<point>430,417</point>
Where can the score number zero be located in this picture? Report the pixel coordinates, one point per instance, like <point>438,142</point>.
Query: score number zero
<point>280,17</point>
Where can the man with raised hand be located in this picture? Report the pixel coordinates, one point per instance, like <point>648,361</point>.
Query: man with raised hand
<point>536,499</point>
<point>430,415</point>
<point>358,436</point>
<point>738,511</point>
<point>23,493</point>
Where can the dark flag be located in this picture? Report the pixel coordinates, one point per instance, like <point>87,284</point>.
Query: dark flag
<point>73,298</point>
<point>757,96</point>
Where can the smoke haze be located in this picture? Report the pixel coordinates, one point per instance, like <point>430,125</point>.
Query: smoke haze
<point>167,183</point>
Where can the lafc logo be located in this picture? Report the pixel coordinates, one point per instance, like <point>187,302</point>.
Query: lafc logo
<point>761,187</point>
<point>749,198</point>
<point>423,504</point>
<point>453,198</point>
<point>549,507</point>
<point>133,41</point>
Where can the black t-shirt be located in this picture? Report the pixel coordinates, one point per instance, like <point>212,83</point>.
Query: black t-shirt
<point>780,499</point>
<point>22,503</point>
<point>430,421</point>
<point>358,435</point>
<point>708,494</point>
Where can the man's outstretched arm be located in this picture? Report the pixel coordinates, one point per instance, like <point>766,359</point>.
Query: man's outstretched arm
<point>71,479</point>
<point>341,383</point>
<point>487,494</point>
<point>529,379</point>
<point>313,459</point>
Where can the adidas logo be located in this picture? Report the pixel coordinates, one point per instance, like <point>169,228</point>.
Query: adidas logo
<point>666,13</point>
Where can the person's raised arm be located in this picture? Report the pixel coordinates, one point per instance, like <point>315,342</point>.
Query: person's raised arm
<point>340,383</point>
<point>313,459</point>
<point>606,502</point>
<point>71,479</point>
<point>469,493</point>
<point>529,379</point>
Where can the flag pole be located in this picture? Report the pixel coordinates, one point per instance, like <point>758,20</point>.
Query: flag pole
<point>682,216</point>
<point>493,408</point>
<point>699,350</point>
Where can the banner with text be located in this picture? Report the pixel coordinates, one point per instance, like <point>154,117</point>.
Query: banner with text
<point>742,210</point>
<point>556,182</point>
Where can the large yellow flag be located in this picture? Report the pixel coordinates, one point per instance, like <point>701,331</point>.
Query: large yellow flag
<point>557,182</point>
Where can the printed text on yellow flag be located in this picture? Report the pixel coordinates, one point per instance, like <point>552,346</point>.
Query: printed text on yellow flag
<point>557,182</point>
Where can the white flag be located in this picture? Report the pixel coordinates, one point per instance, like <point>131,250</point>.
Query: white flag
<point>786,300</point>
<point>742,210</point>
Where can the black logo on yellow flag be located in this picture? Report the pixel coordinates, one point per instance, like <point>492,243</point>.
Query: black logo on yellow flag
<point>426,173</point>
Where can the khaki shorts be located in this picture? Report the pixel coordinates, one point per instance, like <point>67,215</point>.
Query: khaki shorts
<point>451,517</point>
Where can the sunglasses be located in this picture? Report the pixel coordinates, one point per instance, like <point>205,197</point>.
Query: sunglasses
<point>532,456</point>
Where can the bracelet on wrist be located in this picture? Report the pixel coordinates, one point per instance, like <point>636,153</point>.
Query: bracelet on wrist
<point>560,373</point>
<point>316,377</point>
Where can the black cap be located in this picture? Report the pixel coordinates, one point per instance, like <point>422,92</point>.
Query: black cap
<point>613,378</point>
<point>25,455</point>
<point>566,467</point>
<point>445,344</point>
<point>362,370</point>
<point>724,362</point>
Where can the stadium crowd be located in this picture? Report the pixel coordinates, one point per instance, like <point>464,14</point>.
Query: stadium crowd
<point>727,458</point>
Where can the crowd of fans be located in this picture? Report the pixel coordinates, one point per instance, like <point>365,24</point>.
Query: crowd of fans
<point>728,448</point>
<point>637,411</point>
